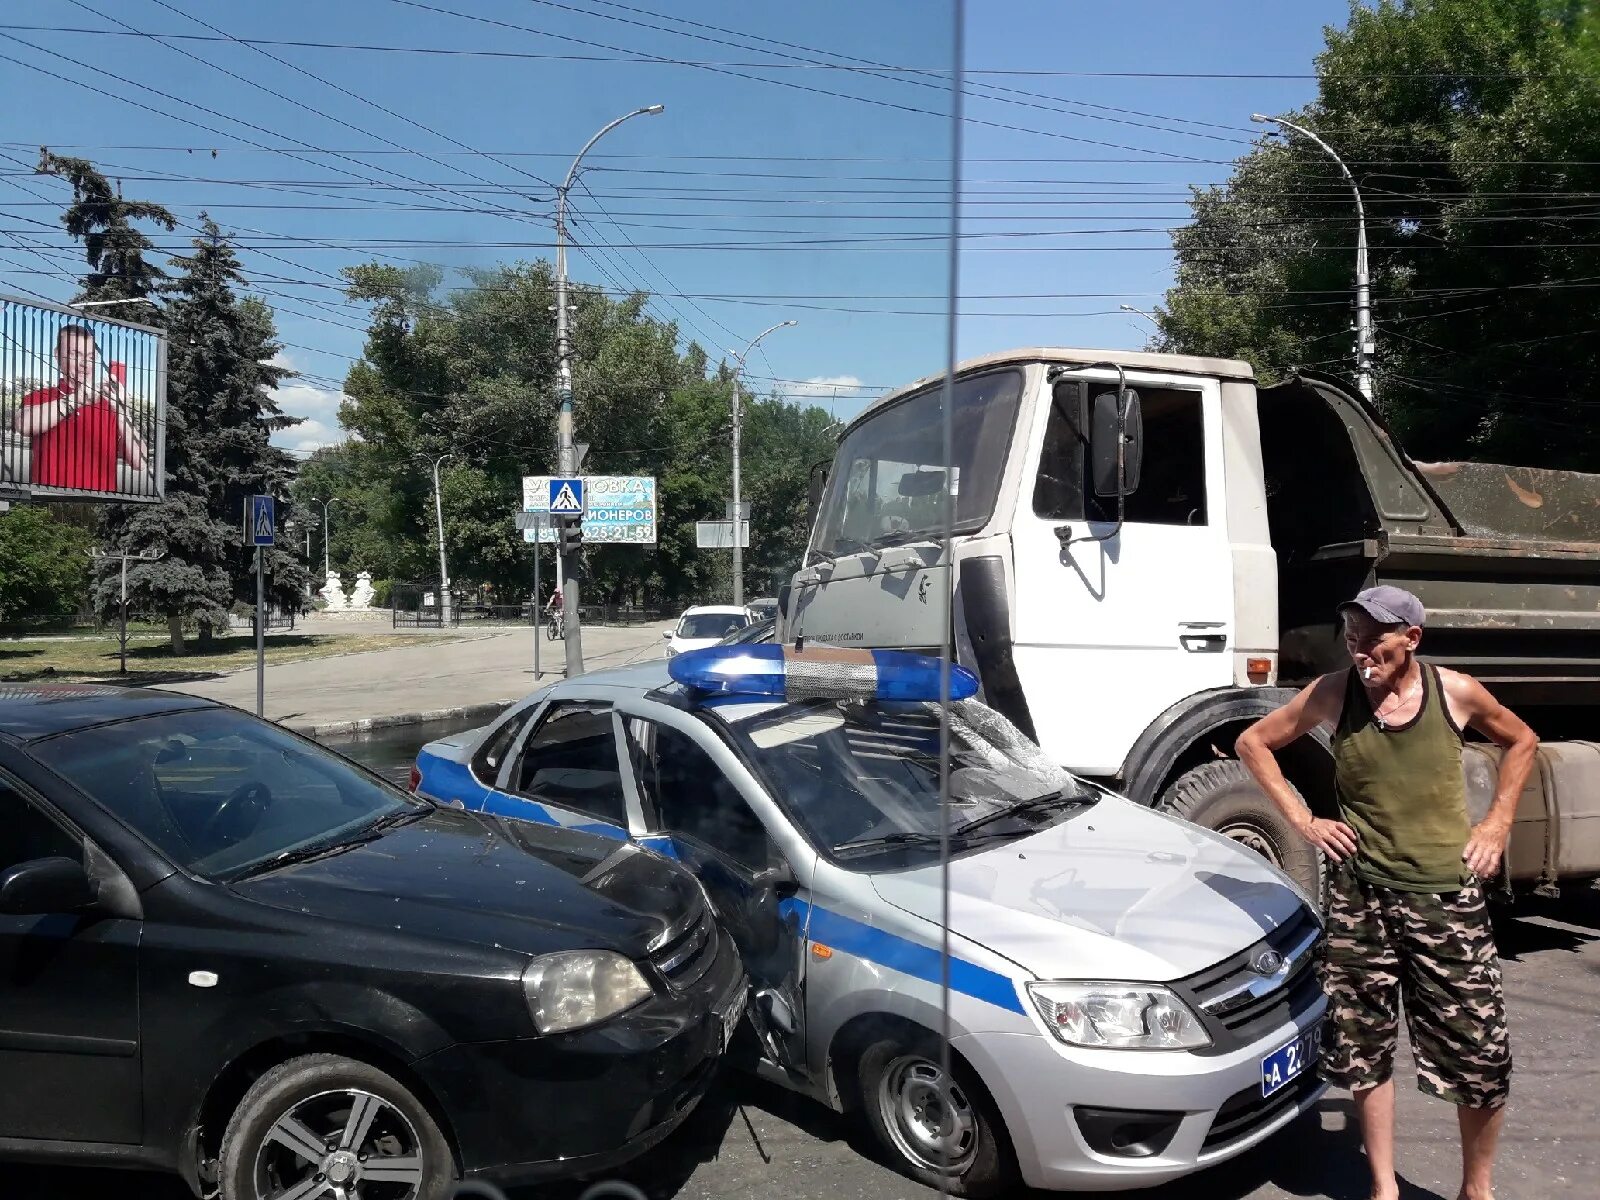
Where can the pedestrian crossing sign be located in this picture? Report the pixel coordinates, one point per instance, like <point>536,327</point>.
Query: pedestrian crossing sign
<point>260,521</point>
<point>566,497</point>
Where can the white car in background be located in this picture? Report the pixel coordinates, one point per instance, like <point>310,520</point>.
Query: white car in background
<point>705,625</point>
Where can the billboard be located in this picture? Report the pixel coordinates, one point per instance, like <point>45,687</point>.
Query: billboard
<point>83,405</point>
<point>621,509</point>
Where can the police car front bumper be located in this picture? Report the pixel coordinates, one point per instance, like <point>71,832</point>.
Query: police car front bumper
<point>1106,1120</point>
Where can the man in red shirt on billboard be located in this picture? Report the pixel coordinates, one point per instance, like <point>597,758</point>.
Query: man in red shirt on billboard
<point>80,427</point>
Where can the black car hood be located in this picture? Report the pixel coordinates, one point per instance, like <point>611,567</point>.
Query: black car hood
<point>465,877</point>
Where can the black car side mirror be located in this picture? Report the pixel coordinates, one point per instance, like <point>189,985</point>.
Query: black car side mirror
<point>45,885</point>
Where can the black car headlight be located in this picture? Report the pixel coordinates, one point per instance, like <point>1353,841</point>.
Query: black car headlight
<point>576,988</point>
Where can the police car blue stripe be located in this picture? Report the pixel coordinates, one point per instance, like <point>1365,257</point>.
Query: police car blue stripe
<point>453,783</point>
<point>908,957</point>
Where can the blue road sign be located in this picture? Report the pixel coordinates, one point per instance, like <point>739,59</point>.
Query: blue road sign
<point>261,520</point>
<point>566,497</point>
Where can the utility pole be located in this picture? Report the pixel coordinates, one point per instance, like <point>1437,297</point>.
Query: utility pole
<point>738,372</point>
<point>122,604</point>
<point>1366,341</point>
<point>444,569</point>
<point>325,505</point>
<point>566,446</point>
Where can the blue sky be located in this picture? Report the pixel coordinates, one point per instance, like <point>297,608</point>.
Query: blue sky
<point>772,186</point>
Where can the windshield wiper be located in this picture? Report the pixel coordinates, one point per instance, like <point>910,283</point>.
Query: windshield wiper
<point>903,837</point>
<point>1038,804</point>
<point>326,849</point>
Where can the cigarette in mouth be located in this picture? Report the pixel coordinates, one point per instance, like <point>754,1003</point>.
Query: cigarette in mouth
<point>1367,674</point>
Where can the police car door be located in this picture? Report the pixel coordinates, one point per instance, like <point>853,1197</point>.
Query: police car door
<point>567,772</point>
<point>695,798</point>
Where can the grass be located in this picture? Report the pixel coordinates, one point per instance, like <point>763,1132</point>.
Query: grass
<point>154,662</point>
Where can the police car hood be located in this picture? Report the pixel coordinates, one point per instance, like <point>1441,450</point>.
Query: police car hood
<point>1114,891</point>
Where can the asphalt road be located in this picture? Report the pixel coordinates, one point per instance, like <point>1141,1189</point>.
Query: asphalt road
<point>749,1139</point>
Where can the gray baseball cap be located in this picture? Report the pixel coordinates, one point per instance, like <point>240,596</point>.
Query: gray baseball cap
<point>1389,606</point>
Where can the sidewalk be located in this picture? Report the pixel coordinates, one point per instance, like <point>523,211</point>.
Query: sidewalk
<point>472,677</point>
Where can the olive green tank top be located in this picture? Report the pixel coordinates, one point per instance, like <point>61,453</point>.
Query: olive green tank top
<point>1400,788</point>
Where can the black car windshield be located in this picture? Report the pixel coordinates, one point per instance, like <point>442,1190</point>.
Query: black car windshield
<point>220,792</point>
<point>710,625</point>
<point>855,775</point>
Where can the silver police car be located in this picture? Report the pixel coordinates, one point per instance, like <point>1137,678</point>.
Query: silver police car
<point>1130,997</point>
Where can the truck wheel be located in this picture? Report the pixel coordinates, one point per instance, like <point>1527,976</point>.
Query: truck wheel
<point>936,1129</point>
<point>1223,797</point>
<point>324,1126</point>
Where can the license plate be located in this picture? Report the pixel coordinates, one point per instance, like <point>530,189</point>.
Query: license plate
<point>1288,1062</point>
<point>730,1017</point>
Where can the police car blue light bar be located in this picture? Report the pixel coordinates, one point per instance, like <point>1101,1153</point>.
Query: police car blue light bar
<point>822,673</point>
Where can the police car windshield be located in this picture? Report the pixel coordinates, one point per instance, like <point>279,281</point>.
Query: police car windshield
<point>859,777</point>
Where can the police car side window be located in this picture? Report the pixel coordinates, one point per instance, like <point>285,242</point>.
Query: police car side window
<point>692,797</point>
<point>486,762</point>
<point>570,761</point>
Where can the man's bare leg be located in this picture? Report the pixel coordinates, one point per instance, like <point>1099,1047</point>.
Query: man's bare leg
<point>1480,1133</point>
<point>1375,1110</point>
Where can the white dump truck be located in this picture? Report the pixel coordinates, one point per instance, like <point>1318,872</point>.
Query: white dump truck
<point>1137,580</point>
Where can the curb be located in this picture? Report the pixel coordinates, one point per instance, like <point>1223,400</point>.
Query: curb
<point>492,708</point>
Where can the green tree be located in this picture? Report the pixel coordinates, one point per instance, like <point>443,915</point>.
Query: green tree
<point>220,417</point>
<point>1469,127</point>
<point>115,249</point>
<point>44,564</point>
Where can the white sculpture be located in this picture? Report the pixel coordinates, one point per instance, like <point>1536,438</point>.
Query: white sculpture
<point>333,593</point>
<point>361,595</point>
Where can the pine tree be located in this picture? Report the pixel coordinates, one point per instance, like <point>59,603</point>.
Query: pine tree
<point>113,246</point>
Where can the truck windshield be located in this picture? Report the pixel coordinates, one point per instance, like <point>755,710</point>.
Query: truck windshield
<point>864,776</point>
<point>888,478</point>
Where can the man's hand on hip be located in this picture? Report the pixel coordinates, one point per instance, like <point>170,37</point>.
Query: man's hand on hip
<point>1486,847</point>
<point>1334,838</point>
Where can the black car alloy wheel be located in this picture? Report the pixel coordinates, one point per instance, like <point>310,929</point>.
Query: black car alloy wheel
<point>325,1127</point>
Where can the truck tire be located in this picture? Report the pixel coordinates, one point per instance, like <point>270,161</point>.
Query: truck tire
<point>1223,796</point>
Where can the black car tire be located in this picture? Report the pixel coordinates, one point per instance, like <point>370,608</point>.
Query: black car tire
<point>1224,797</point>
<point>312,1078</point>
<point>990,1168</point>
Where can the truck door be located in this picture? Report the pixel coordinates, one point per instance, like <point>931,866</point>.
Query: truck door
<point>697,814</point>
<point>1109,633</point>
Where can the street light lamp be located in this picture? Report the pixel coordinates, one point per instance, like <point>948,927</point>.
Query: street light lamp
<point>105,303</point>
<point>1366,343</point>
<point>1139,312</point>
<point>566,448</point>
<point>738,371</point>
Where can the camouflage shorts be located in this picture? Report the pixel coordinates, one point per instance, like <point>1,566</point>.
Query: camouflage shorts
<point>1434,953</point>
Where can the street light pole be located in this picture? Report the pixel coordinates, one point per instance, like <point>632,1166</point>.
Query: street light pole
<point>738,371</point>
<point>1139,312</point>
<point>566,446</point>
<point>444,570</point>
<point>122,604</point>
<point>325,505</point>
<point>1366,342</point>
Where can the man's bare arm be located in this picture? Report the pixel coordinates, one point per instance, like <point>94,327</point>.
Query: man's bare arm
<point>1315,705</point>
<point>34,419</point>
<point>1477,706</point>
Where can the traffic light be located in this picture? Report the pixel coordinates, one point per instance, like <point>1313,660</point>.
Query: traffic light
<point>571,535</point>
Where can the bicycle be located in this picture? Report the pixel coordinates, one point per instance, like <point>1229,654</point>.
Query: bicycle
<point>555,626</point>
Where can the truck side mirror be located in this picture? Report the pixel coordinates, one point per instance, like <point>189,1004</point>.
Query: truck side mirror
<point>1111,431</point>
<point>816,484</point>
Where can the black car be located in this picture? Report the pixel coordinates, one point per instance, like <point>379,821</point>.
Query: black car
<point>229,952</point>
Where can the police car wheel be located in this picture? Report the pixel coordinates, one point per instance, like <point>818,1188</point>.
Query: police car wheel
<point>936,1127</point>
<point>322,1125</point>
<point>1224,797</point>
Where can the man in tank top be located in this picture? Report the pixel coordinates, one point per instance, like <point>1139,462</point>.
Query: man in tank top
<point>1406,923</point>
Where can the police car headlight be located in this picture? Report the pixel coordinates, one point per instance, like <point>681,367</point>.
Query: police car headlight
<point>1118,1016</point>
<point>576,988</point>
